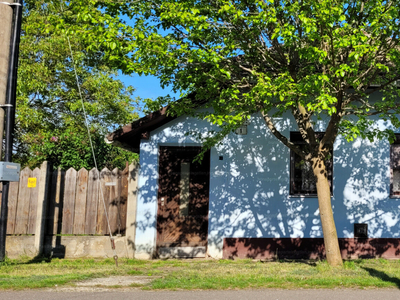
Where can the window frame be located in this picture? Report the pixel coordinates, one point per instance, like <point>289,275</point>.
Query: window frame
<point>392,168</point>
<point>297,139</point>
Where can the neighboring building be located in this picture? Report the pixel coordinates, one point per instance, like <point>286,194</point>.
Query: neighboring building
<point>251,197</point>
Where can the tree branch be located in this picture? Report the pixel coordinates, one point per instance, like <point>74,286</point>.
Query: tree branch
<point>281,137</point>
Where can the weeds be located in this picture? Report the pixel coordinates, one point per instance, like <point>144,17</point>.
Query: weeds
<point>203,274</point>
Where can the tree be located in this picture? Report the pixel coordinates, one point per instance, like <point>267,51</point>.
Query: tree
<point>50,121</point>
<point>313,59</point>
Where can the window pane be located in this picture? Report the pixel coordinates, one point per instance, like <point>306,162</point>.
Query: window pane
<point>303,181</point>
<point>184,185</point>
<point>396,181</point>
<point>395,156</point>
<point>308,179</point>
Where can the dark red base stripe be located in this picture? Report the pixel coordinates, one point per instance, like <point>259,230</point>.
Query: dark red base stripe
<point>308,248</point>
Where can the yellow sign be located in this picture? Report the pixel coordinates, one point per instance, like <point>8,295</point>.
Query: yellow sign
<point>31,182</point>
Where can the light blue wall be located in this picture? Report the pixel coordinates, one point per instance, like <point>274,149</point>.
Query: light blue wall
<point>249,188</point>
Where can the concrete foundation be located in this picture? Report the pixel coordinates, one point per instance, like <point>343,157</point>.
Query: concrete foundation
<point>309,248</point>
<point>182,252</point>
<point>84,246</point>
<point>17,246</point>
<point>67,246</point>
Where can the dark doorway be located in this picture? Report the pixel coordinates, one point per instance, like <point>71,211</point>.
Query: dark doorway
<point>183,195</point>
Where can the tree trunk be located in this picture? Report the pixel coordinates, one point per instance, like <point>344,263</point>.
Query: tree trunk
<point>331,242</point>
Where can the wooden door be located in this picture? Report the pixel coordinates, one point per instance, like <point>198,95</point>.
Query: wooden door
<point>182,219</point>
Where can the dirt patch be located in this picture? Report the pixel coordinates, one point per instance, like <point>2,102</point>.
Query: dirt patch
<point>107,284</point>
<point>116,281</point>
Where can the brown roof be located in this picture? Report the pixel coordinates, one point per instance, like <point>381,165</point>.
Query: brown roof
<point>129,136</point>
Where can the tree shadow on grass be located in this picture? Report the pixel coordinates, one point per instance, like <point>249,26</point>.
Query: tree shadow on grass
<point>383,276</point>
<point>34,260</point>
<point>309,262</point>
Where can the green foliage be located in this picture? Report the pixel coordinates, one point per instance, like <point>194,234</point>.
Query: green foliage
<point>69,146</point>
<point>336,60</point>
<point>50,120</point>
<point>310,58</point>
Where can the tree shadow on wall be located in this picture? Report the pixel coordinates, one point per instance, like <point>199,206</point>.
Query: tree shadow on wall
<point>370,248</point>
<point>362,193</point>
<point>250,197</point>
<point>254,201</point>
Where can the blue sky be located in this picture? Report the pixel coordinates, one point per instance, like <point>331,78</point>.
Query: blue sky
<point>146,87</point>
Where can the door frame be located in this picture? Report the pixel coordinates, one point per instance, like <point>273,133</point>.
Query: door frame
<point>179,251</point>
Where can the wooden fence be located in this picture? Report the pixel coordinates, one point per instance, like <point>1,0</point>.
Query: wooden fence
<point>78,202</point>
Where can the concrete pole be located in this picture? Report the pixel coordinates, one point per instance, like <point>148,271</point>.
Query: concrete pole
<point>6,15</point>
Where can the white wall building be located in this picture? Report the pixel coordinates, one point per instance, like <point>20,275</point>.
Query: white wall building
<point>254,207</point>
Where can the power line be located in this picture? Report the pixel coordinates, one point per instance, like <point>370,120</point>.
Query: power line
<point>92,148</point>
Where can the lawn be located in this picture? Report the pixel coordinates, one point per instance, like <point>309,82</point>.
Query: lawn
<point>204,274</point>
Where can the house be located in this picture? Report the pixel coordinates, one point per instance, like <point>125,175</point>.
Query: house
<point>249,198</point>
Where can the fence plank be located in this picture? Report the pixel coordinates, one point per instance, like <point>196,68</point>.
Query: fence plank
<point>33,200</point>
<point>124,199</point>
<point>74,200</point>
<point>80,202</point>
<point>105,178</point>
<point>69,202</point>
<point>114,204</point>
<point>55,202</point>
<point>92,201</point>
<point>12,206</point>
<point>22,215</point>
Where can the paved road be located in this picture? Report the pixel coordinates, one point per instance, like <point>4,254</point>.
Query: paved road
<point>343,294</point>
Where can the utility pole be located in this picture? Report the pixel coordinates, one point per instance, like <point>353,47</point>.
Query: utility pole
<point>6,17</point>
<point>11,95</point>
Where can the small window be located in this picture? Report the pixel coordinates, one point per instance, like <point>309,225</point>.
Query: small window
<point>242,130</point>
<point>302,179</point>
<point>360,230</point>
<point>395,167</point>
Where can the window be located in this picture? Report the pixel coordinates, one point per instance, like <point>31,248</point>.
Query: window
<point>395,167</point>
<point>360,230</point>
<point>184,185</point>
<point>302,179</point>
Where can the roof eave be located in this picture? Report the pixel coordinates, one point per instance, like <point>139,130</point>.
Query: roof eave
<point>129,136</point>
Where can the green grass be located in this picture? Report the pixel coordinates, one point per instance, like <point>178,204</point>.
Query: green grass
<point>204,274</point>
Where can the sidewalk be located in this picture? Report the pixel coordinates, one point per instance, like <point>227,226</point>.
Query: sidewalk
<point>107,294</point>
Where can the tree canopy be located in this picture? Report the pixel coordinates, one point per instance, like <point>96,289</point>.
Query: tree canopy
<point>50,123</point>
<point>258,55</point>
<point>313,59</point>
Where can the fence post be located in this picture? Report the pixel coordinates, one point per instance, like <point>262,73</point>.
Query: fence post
<point>41,208</point>
<point>131,208</point>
